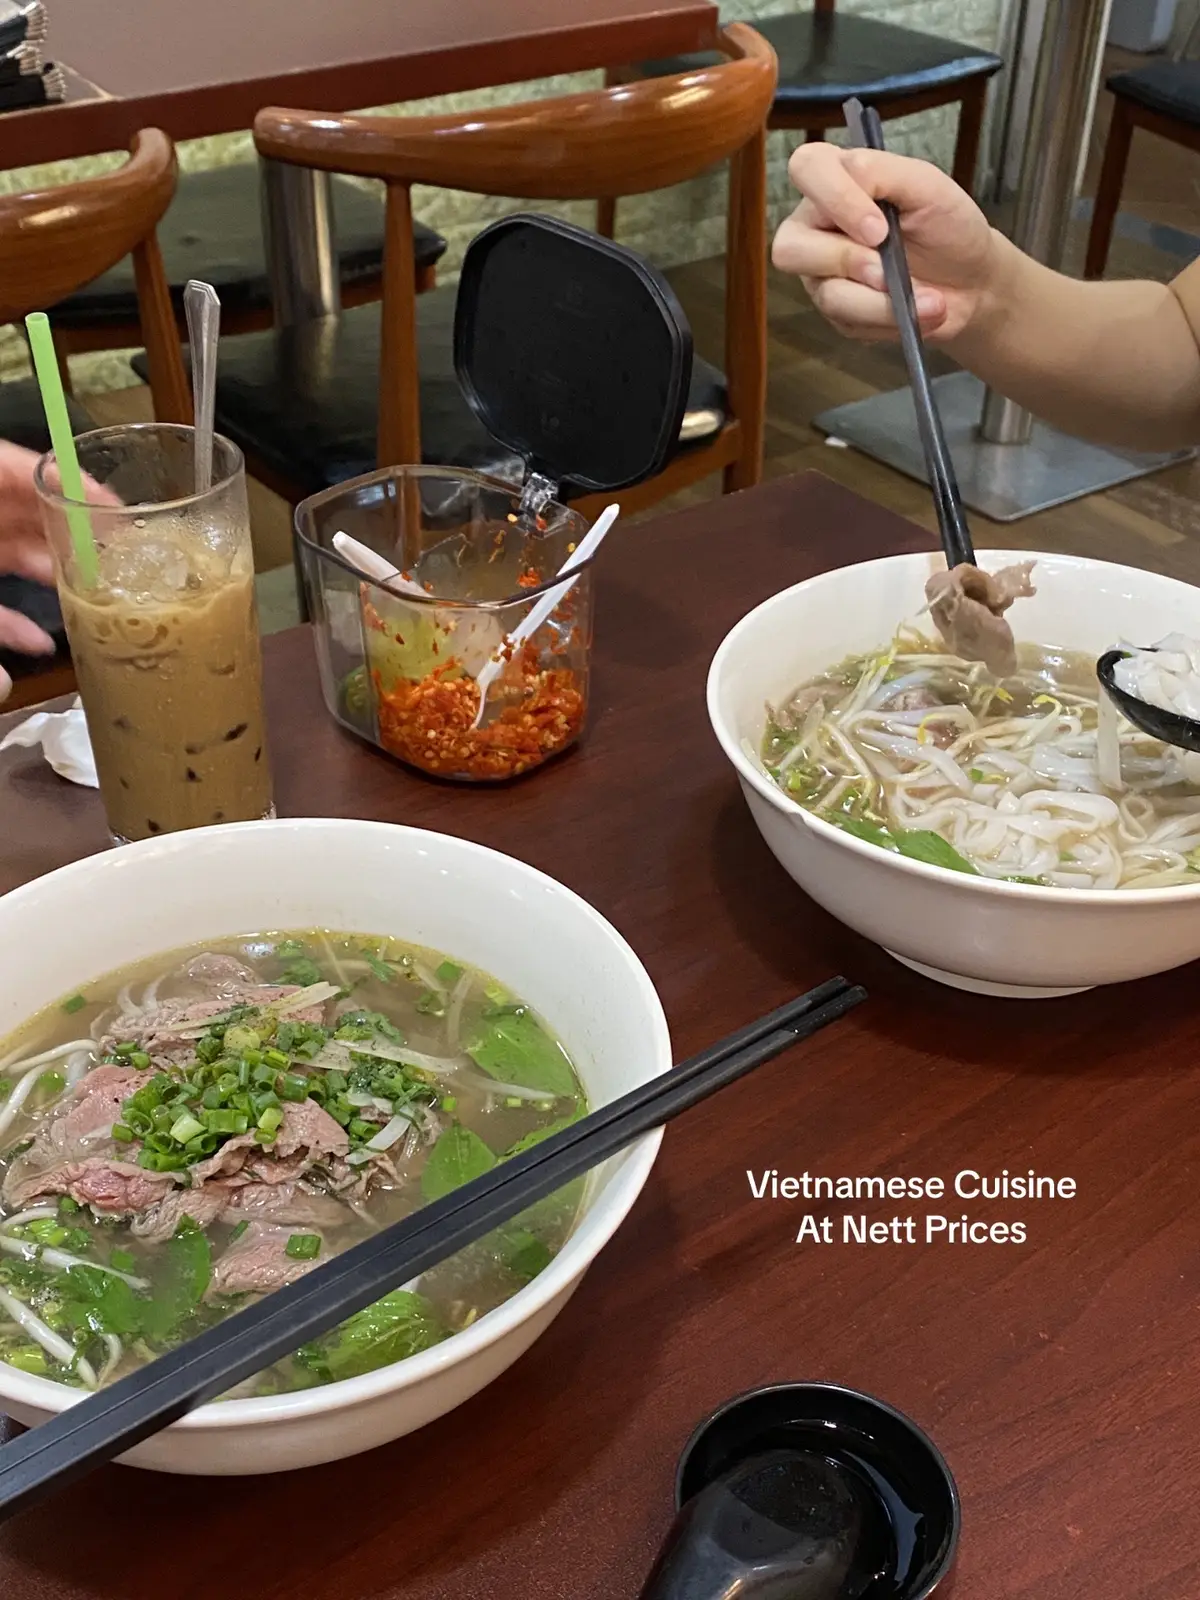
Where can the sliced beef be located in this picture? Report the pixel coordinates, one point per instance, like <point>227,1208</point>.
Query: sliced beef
<point>117,1187</point>
<point>307,1134</point>
<point>258,1262</point>
<point>220,973</point>
<point>968,607</point>
<point>285,1203</point>
<point>162,1030</point>
<point>160,1220</point>
<point>77,1136</point>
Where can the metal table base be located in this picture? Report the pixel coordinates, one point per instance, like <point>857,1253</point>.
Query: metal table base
<point>1003,481</point>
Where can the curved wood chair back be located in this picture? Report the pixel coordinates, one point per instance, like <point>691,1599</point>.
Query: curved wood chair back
<point>621,140</point>
<point>53,241</point>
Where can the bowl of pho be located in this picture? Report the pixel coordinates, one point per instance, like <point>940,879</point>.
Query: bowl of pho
<point>1008,834</point>
<point>228,1054</point>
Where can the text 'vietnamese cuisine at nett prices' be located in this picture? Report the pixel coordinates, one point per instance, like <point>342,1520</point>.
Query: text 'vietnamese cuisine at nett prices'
<point>769,1184</point>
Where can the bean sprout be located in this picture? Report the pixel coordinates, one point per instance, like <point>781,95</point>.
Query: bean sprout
<point>52,1343</point>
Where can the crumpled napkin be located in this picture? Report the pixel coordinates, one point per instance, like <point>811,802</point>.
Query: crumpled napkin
<point>65,742</point>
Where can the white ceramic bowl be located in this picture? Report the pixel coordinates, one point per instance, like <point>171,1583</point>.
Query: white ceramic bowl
<point>534,935</point>
<point>975,933</point>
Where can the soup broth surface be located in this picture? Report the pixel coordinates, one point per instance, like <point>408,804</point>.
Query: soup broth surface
<point>191,1133</point>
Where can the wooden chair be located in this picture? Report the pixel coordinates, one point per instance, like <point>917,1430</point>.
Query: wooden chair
<point>51,242</point>
<point>1163,98</point>
<point>213,231</point>
<point>314,405</point>
<point>825,57</point>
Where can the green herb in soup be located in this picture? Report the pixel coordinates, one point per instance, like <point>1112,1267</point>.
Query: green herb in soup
<point>1032,778</point>
<point>185,1136</point>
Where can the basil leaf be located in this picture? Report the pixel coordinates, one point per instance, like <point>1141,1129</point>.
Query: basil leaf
<point>525,1255</point>
<point>536,1135</point>
<point>457,1157</point>
<point>919,844</point>
<point>101,1302</point>
<point>515,1048</point>
<point>870,832</point>
<point>181,1283</point>
<point>401,1324</point>
<point>379,968</point>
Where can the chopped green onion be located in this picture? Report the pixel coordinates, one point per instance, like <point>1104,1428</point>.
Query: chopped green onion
<point>362,1130</point>
<point>223,1121</point>
<point>276,1058</point>
<point>270,1119</point>
<point>139,1059</point>
<point>67,1206</point>
<point>74,1004</point>
<point>238,1230</point>
<point>187,1127</point>
<point>303,1246</point>
<point>125,1049</point>
<point>122,1133</point>
<point>291,1086</point>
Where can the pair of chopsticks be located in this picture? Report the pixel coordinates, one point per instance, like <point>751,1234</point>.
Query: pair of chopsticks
<point>115,1419</point>
<point>866,131</point>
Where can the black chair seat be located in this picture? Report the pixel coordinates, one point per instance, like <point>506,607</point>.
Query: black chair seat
<point>213,231</point>
<point>22,421</point>
<point>825,59</point>
<point>302,401</point>
<point>1170,87</point>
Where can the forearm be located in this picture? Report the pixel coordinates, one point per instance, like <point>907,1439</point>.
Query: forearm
<point>1117,362</point>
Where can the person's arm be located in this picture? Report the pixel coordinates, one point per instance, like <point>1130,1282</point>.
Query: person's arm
<point>1117,362</point>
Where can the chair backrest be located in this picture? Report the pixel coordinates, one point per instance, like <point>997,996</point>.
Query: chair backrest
<point>53,241</point>
<point>628,139</point>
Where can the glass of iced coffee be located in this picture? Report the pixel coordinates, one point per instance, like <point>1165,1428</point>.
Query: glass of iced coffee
<point>163,629</point>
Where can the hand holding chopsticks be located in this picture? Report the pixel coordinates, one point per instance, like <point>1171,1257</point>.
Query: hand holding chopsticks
<point>866,131</point>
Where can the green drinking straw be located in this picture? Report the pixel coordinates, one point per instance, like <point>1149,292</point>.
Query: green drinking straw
<point>54,402</point>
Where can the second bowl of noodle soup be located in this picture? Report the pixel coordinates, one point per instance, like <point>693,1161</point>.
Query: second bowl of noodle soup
<point>1005,835</point>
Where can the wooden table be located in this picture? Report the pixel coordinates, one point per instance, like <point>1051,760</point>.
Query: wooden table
<point>199,69</point>
<point>1061,1377</point>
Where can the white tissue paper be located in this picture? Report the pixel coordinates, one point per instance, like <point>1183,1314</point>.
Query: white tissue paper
<point>63,736</point>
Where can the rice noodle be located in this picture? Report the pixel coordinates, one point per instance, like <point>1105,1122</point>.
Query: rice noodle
<point>24,1088</point>
<point>15,1063</point>
<point>62,1260</point>
<point>1036,777</point>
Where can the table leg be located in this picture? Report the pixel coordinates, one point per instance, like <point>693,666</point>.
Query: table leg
<point>1007,464</point>
<point>302,261</point>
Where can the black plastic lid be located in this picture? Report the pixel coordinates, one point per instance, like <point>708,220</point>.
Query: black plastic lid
<point>572,351</point>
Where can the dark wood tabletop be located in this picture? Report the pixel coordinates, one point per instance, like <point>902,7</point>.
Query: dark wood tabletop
<point>1061,1377</point>
<point>199,69</point>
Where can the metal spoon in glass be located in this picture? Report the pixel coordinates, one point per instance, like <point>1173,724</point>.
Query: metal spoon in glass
<point>203,311</point>
<point>542,610</point>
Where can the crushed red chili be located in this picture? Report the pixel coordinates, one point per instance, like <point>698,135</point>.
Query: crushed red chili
<point>428,723</point>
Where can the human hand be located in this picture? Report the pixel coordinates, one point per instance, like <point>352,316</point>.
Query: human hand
<point>23,549</point>
<point>831,241</point>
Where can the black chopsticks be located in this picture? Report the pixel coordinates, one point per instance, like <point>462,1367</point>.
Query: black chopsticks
<point>866,131</point>
<point>108,1423</point>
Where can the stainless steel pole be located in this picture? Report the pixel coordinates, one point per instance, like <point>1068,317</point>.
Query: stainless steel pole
<point>1060,119</point>
<point>302,262</point>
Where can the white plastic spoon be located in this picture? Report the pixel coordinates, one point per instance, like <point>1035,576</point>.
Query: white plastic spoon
<point>538,614</point>
<point>375,566</point>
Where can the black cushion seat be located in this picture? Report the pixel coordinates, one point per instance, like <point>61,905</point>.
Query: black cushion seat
<point>213,231</point>
<point>826,58</point>
<point>302,401</point>
<point>1169,87</point>
<point>22,421</point>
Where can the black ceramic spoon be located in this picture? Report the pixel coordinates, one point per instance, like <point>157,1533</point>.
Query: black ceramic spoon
<point>784,1525</point>
<point>1172,727</point>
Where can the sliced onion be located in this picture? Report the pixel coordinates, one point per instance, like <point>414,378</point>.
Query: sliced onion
<point>392,1133</point>
<point>359,1097</point>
